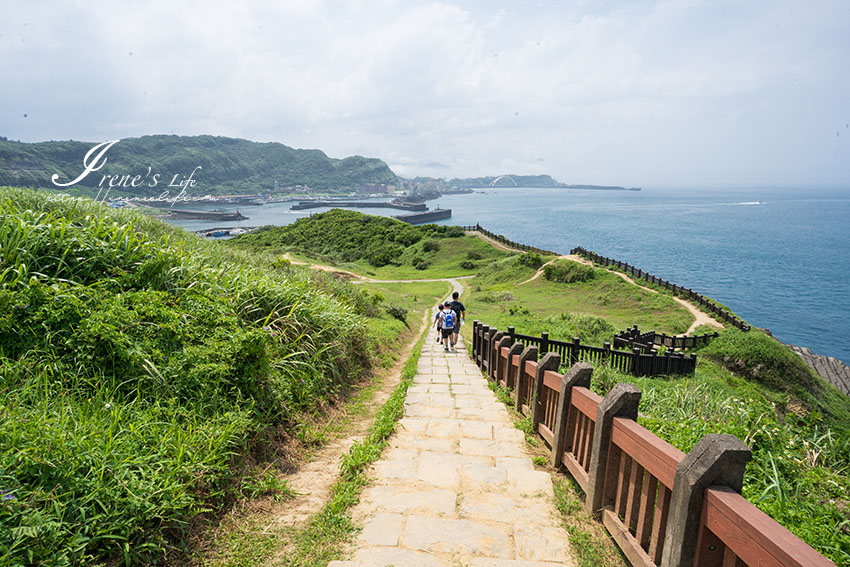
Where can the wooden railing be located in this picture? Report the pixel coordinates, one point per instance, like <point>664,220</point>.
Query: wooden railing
<point>506,241</point>
<point>633,338</point>
<point>701,300</point>
<point>637,361</point>
<point>663,507</point>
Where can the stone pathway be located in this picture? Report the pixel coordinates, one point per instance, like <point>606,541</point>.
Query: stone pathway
<point>456,488</point>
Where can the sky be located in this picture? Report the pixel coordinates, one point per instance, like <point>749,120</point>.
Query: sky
<point>634,93</point>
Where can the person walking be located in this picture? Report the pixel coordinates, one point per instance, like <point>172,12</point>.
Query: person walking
<point>447,317</point>
<point>460,314</point>
<point>438,322</point>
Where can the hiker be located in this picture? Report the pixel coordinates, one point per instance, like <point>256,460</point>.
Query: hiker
<point>438,322</point>
<point>460,314</point>
<point>447,317</point>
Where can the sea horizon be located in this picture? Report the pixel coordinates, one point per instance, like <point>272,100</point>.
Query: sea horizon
<point>774,255</point>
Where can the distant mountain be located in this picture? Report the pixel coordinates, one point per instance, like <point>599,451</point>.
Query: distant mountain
<point>228,165</point>
<point>508,180</point>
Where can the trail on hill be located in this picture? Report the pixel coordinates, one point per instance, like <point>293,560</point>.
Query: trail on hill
<point>700,317</point>
<point>542,268</point>
<point>493,242</point>
<point>315,474</point>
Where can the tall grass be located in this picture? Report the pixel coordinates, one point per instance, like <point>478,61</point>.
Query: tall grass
<point>800,471</point>
<point>136,363</point>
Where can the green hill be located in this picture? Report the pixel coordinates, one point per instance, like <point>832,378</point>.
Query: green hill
<point>746,384</point>
<point>229,165</point>
<point>138,364</point>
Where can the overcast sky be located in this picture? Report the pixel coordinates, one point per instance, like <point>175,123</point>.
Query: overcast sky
<point>628,93</point>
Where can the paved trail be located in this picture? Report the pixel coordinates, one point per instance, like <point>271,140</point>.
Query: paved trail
<point>456,487</point>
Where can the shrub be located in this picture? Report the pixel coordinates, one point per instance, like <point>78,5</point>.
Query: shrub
<point>423,265</point>
<point>531,259</point>
<point>760,357</point>
<point>431,246</point>
<point>567,271</point>
<point>140,361</point>
<point>473,255</point>
<point>397,312</point>
<point>467,265</point>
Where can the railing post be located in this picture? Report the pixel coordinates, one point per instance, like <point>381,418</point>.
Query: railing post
<point>578,375</point>
<point>511,332</point>
<point>530,353</point>
<point>516,348</point>
<point>475,340</point>
<point>575,351</point>
<point>493,353</point>
<point>717,460</point>
<point>483,345</point>
<point>635,361</point>
<point>621,401</point>
<point>544,343</point>
<point>505,341</point>
<point>551,361</point>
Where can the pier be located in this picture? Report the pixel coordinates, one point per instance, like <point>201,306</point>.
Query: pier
<point>359,204</point>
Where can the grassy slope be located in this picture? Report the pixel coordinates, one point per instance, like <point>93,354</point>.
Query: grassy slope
<point>796,425</point>
<point>377,247</point>
<point>138,364</point>
<point>591,310</point>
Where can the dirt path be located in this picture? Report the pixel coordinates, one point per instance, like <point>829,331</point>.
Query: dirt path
<point>543,267</point>
<point>700,317</point>
<point>493,242</point>
<point>314,476</point>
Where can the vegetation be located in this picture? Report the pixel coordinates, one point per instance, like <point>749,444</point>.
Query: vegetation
<point>567,271</point>
<point>591,310</point>
<point>229,165</point>
<point>137,363</point>
<point>377,246</point>
<point>139,366</point>
<point>746,384</point>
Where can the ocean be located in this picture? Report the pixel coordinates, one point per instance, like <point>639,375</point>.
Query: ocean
<point>778,257</point>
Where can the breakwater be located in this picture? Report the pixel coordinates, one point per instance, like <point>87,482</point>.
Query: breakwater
<point>428,216</point>
<point>206,215</point>
<point>302,205</point>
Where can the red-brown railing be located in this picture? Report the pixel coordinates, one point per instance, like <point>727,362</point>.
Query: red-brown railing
<point>647,493</point>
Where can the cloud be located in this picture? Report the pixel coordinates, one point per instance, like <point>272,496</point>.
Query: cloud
<point>627,93</point>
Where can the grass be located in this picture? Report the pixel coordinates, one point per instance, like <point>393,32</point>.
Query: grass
<point>746,384</point>
<point>327,532</point>
<point>379,247</point>
<point>592,310</point>
<point>140,366</point>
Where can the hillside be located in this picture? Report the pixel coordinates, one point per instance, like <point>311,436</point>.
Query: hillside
<point>377,246</point>
<point>145,373</point>
<point>746,384</point>
<point>229,165</point>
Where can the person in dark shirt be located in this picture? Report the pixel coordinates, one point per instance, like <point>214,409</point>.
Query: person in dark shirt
<point>460,312</point>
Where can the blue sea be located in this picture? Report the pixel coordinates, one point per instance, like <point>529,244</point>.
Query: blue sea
<point>778,257</point>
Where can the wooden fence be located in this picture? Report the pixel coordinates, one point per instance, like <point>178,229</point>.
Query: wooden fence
<point>701,300</point>
<point>663,507</point>
<point>507,241</point>
<point>632,338</point>
<point>635,361</point>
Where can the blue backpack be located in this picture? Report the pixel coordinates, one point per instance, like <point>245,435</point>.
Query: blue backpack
<point>449,319</point>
